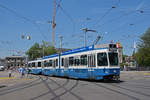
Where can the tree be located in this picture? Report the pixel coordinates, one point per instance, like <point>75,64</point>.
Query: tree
<point>47,48</point>
<point>38,51</point>
<point>143,54</point>
<point>124,61</point>
<point>34,51</point>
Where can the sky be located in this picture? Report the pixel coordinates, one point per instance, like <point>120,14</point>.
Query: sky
<point>121,21</point>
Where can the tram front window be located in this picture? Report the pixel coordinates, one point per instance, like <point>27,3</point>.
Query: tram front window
<point>113,59</point>
<point>102,59</point>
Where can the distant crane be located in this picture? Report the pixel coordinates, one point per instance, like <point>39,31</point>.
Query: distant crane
<point>53,24</point>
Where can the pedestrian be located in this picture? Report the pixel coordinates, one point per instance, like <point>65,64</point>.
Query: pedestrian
<point>22,72</point>
<point>10,73</point>
<point>28,71</point>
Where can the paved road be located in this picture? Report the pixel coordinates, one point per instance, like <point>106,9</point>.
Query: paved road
<point>133,86</point>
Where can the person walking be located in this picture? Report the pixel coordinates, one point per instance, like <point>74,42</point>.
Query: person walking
<point>10,73</point>
<point>28,72</point>
<point>21,71</point>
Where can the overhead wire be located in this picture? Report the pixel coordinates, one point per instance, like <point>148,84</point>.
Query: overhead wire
<point>57,5</point>
<point>119,17</point>
<point>124,15</point>
<point>106,13</point>
<point>102,17</point>
<point>23,17</point>
<point>68,15</point>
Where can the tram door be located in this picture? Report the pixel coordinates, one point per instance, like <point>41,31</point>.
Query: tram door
<point>66,65</point>
<point>91,65</point>
<point>54,66</point>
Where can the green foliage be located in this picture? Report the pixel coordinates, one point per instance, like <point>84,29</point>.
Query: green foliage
<point>49,50</point>
<point>143,54</point>
<point>38,51</point>
<point>124,62</point>
<point>34,51</point>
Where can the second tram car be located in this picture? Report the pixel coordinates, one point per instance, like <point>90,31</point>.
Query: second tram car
<point>95,62</point>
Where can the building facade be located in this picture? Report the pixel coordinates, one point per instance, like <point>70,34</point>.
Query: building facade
<point>120,51</point>
<point>2,62</point>
<point>15,61</point>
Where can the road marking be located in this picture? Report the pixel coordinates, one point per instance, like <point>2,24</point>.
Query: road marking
<point>147,74</point>
<point>7,78</point>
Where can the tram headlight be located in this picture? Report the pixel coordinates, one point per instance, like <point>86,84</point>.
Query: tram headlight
<point>115,71</point>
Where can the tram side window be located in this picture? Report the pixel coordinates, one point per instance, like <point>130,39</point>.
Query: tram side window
<point>56,62</point>
<point>66,62</point>
<point>113,59</point>
<point>33,64</point>
<point>77,62</point>
<point>83,59</point>
<point>29,65</point>
<point>93,61</point>
<point>39,64</point>
<point>102,59</point>
<point>50,63</point>
<point>62,62</point>
<point>71,61</point>
<point>45,64</point>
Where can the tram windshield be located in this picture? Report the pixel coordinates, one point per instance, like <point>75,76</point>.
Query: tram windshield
<point>113,58</point>
<point>102,59</point>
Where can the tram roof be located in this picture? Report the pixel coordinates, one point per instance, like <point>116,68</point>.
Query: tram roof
<point>82,49</point>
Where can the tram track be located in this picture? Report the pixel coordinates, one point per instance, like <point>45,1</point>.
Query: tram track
<point>116,91</point>
<point>20,87</point>
<point>134,91</point>
<point>68,90</point>
<point>46,93</point>
<point>139,86</point>
<point>52,91</point>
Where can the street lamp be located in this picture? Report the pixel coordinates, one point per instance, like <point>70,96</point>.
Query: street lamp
<point>87,30</point>
<point>28,38</point>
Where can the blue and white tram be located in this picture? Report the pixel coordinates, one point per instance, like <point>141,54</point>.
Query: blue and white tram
<point>50,65</point>
<point>35,66</point>
<point>92,62</point>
